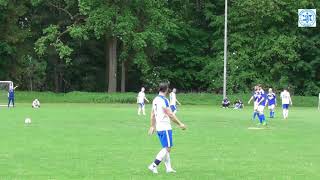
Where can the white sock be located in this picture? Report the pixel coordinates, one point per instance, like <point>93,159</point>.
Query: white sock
<point>143,111</point>
<point>284,113</point>
<point>161,154</point>
<point>139,110</point>
<point>287,113</point>
<point>167,161</point>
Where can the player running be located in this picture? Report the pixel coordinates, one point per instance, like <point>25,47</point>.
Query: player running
<point>160,122</point>
<point>286,100</point>
<point>254,97</point>
<point>174,101</point>
<point>140,101</point>
<point>272,102</point>
<point>262,98</point>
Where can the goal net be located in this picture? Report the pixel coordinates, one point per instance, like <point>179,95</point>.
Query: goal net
<point>4,88</point>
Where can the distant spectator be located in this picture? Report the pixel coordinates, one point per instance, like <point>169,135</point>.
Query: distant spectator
<point>238,104</point>
<point>36,103</point>
<point>225,103</point>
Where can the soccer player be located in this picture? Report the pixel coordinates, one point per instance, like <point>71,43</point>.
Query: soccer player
<point>11,95</point>
<point>174,101</point>
<point>140,100</point>
<point>272,102</point>
<point>254,97</point>
<point>262,98</point>
<point>160,122</point>
<point>286,100</point>
<point>36,104</point>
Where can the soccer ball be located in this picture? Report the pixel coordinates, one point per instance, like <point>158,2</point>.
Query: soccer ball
<point>27,121</point>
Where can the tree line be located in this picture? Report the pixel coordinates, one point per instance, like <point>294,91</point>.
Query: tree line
<point>120,45</point>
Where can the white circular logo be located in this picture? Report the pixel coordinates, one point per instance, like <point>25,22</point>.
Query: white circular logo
<point>307,18</point>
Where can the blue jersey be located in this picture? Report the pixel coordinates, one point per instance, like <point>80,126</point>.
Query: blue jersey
<point>262,97</point>
<point>255,96</point>
<point>271,99</point>
<point>11,93</point>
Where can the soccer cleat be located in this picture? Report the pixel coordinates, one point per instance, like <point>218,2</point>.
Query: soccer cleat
<point>153,169</point>
<point>171,171</point>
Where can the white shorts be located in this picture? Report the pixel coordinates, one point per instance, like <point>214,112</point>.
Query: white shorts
<point>271,106</point>
<point>255,106</point>
<point>260,108</point>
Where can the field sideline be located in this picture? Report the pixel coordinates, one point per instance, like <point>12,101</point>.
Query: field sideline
<point>109,141</point>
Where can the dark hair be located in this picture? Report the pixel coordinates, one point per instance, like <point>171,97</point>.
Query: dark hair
<point>163,87</point>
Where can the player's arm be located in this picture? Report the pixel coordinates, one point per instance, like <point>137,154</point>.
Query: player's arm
<point>290,100</point>
<point>250,100</point>
<point>15,87</point>
<point>178,102</point>
<point>152,128</point>
<point>174,118</point>
<point>145,98</point>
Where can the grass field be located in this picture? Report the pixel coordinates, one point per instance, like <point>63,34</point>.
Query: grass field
<point>100,141</point>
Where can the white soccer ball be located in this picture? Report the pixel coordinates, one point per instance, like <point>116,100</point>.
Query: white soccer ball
<point>27,121</point>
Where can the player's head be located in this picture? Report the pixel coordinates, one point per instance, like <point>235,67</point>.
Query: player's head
<point>174,90</point>
<point>163,87</point>
<point>259,86</point>
<point>285,89</point>
<point>270,90</point>
<point>143,89</point>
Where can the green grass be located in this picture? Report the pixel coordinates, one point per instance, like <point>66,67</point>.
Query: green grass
<point>186,98</point>
<point>99,141</point>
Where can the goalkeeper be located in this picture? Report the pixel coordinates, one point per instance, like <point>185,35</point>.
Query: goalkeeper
<point>11,95</point>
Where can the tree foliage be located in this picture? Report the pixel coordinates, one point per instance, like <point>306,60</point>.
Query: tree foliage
<point>63,45</point>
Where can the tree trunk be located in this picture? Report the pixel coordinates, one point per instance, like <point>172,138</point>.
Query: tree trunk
<point>56,79</point>
<point>123,76</point>
<point>112,46</point>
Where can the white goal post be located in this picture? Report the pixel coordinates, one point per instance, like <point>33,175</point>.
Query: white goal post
<point>4,88</point>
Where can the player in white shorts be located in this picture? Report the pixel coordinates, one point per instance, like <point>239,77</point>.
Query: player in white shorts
<point>174,100</point>
<point>286,100</point>
<point>160,122</point>
<point>140,100</point>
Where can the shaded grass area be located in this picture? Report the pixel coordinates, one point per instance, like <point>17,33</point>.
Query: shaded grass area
<point>188,99</point>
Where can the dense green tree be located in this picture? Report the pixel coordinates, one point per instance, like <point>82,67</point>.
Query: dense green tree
<point>93,45</point>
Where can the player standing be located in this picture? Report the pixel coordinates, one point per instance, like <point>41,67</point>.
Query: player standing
<point>140,100</point>
<point>11,95</point>
<point>286,100</point>
<point>261,105</point>
<point>272,102</point>
<point>254,97</point>
<point>174,100</point>
<point>160,122</point>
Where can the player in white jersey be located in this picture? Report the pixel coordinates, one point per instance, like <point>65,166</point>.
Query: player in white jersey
<point>286,100</point>
<point>160,122</point>
<point>174,100</point>
<point>140,100</point>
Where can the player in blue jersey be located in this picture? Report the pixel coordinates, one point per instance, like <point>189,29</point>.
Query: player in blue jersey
<point>262,101</point>
<point>11,95</point>
<point>161,115</point>
<point>272,102</point>
<point>254,97</point>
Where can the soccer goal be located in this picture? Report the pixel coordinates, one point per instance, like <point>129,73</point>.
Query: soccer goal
<point>4,88</point>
